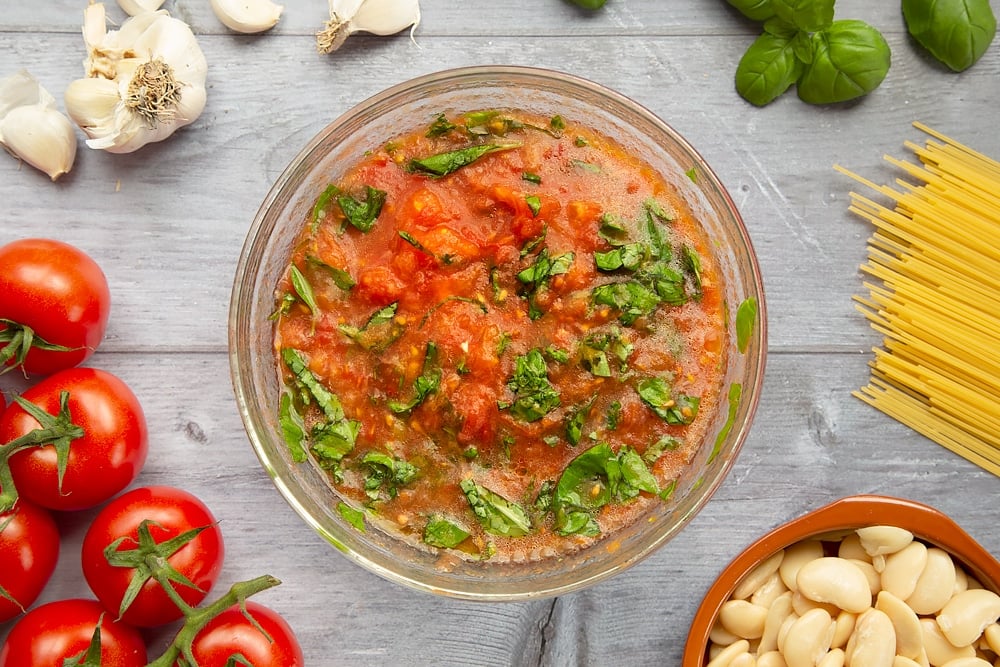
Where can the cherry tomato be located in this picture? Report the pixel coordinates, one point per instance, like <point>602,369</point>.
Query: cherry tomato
<point>29,550</point>
<point>49,634</point>
<point>170,512</point>
<point>104,461</point>
<point>57,292</point>
<point>232,633</point>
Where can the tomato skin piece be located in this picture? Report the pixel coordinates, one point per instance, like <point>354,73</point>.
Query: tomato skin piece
<point>52,632</point>
<point>29,551</point>
<point>230,632</point>
<point>176,511</point>
<point>104,461</point>
<point>61,293</point>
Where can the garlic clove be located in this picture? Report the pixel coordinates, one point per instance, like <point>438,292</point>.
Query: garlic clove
<point>247,16</point>
<point>379,17</point>
<point>41,136</point>
<point>135,7</point>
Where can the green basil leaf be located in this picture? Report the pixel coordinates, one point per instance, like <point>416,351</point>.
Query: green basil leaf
<point>850,59</point>
<point>675,409</point>
<point>755,10</point>
<point>956,32</point>
<point>446,163</point>
<point>353,516</point>
<point>440,126</point>
<point>496,514</point>
<point>442,533</point>
<point>806,15</point>
<point>292,427</point>
<point>303,289</point>
<point>531,178</point>
<point>322,205</point>
<point>327,401</point>
<point>767,69</point>
<point>746,317</point>
<point>534,203</point>
<point>535,397</point>
<point>341,278</point>
<point>363,213</point>
<point>384,471</point>
<point>735,391</point>
<point>632,299</point>
<point>426,384</point>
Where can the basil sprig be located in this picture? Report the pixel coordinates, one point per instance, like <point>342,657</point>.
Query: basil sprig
<point>956,32</point>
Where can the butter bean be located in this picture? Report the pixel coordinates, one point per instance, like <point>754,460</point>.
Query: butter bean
<point>757,576</point>
<point>939,650</point>
<point>771,659</point>
<point>900,661</point>
<point>777,613</point>
<point>719,635</point>
<point>874,578</point>
<point>909,637</point>
<point>742,618</point>
<point>836,581</point>
<point>743,660</point>
<point>851,549</point>
<point>844,628</point>
<point>796,556</point>
<point>801,604</point>
<point>961,581</point>
<point>808,639</point>
<point>992,636</point>
<point>903,568</point>
<point>936,584</point>
<point>725,657</point>
<point>967,662</point>
<point>966,615</point>
<point>883,540</point>
<point>834,658</point>
<point>786,626</point>
<point>873,643</point>
<point>769,591</point>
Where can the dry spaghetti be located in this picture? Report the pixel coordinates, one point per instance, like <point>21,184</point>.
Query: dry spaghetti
<point>934,295</point>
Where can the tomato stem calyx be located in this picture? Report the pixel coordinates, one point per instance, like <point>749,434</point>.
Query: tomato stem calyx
<point>56,430</point>
<point>17,339</point>
<point>180,652</point>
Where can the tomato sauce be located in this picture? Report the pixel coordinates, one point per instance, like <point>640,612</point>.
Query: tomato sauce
<point>497,336</point>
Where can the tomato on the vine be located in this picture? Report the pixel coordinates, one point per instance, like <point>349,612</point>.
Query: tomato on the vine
<point>29,550</point>
<point>102,462</point>
<point>231,633</point>
<point>57,631</point>
<point>144,521</point>
<point>54,305</point>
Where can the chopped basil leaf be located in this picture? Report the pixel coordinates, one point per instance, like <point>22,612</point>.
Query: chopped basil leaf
<point>612,230</point>
<point>668,490</point>
<point>613,416</point>
<point>341,278</point>
<point>352,516</point>
<point>442,533</point>
<point>666,443</point>
<point>531,178</point>
<point>735,391</point>
<point>632,299</point>
<point>665,281</point>
<point>327,401</point>
<point>426,384</point>
<point>586,166</point>
<point>292,427</point>
<point>536,276</point>
<point>535,396</point>
<point>656,211</point>
<point>692,264</point>
<point>746,315</point>
<point>692,174</point>
<point>321,207</point>
<point>408,237</point>
<point>580,142</point>
<point>303,289</point>
<point>384,471</point>
<point>556,354</point>
<point>595,361</point>
<point>379,332</point>
<point>440,126</point>
<point>532,244</point>
<point>446,163</point>
<point>496,514</point>
<point>534,203</point>
<point>557,123</point>
<point>629,256</point>
<point>674,409</point>
<point>471,452</point>
<point>574,425</point>
<point>362,214</point>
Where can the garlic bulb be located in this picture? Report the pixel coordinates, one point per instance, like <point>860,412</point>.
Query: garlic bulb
<point>32,129</point>
<point>143,81</point>
<point>380,17</point>
<point>247,16</point>
<point>134,7</point>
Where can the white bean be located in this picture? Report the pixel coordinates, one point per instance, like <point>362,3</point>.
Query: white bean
<point>874,578</point>
<point>719,635</point>
<point>771,659</point>
<point>939,649</point>
<point>882,540</point>
<point>873,643</point>
<point>724,657</point>
<point>992,636</point>
<point>903,568</point>
<point>757,576</point>
<point>808,639</point>
<point>909,637</point>
<point>836,581</point>
<point>936,584</point>
<point>777,613</point>
<point>966,615</point>
<point>967,662</point>
<point>743,660</point>
<point>844,628</point>
<point>769,591</point>
<point>801,604</point>
<point>851,549</point>
<point>796,556</point>
<point>834,658</point>
<point>900,661</point>
<point>742,618</point>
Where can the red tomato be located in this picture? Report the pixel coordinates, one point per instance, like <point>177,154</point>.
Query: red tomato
<point>171,512</point>
<point>29,550</point>
<point>231,633</point>
<point>49,634</point>
<point>104,461</point>
<point>60,294</point>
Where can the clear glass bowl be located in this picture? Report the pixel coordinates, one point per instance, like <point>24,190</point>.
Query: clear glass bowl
<point>409,106</point>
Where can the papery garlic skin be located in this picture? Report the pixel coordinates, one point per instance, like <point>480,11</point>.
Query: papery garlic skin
<point>247,16</point>
<point>136,7</point>
<point>379,17</point>
<point>32,129</point>
<point>144,80</point>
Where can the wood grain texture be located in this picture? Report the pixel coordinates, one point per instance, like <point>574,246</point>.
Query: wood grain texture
<point>168,222</point>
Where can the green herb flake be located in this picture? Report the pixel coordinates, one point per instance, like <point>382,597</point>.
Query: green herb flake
<point>362,214</point>
<point>355,517</point>
<point>426,384</point>
<point>303,289</point>
<point>581,142</point>
<point>692,174</point>
<point>440,126</point>
<point>496,514</point>
<point>384,472</point>
<point>534,395</point>
<point>746,316</point>
<point>534,203</point>
<point>583,165</point>
<point>531,178</point>
<point>444,534</point>
<point>341,278</point>
<point>557,123</point>
<point>675,409</point>
<point>292,427</point>
<point>735,392</point>
<point>446,163</point>
<point>321,207</point>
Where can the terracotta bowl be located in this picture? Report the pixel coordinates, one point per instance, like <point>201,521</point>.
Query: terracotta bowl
<point>927,524</point>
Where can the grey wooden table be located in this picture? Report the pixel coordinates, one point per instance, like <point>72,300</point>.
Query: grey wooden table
<point>167,224</point>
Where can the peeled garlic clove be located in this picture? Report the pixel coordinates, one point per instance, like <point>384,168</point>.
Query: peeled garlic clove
<point>247,16</point>
<point>32,129</point>
<point>135,7</point>
<point>379,17</point>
